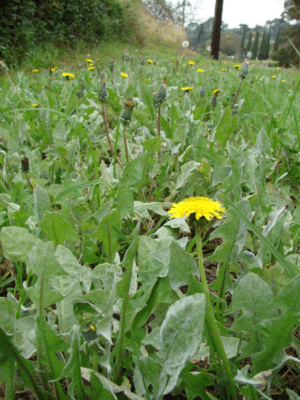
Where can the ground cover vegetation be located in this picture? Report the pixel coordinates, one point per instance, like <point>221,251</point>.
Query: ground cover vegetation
<point>100,288</point>
<point>149,224</point>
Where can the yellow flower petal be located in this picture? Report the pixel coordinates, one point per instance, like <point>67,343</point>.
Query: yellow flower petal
<point>201,206</point>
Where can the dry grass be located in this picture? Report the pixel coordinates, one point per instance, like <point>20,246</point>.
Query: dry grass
<point>152,32</point>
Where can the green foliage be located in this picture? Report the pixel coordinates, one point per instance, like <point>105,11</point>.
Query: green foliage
<point>101,293</point>
<point>62,23</point>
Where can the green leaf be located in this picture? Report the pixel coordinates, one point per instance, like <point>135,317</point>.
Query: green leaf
<point>152,144</point>
<point>142,208</point>
<point>58,229</point>
<point>79,186</point>
<point>223,129</point>
<point>107,233</point>
<point>72,367</point>
<point>9,351</point>
<point>289,270</point>
<point>7,315</point>
<point>147,98</point>
<point>17,243</point>
<point>51,345</point>
<point>288,299</point>
<point>181,335</point>
<point>125,205</point>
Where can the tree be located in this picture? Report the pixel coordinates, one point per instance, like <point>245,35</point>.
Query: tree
<point>255,46</point>
<point>245,29</point>
<point>216,33</point>
<point>264,47</point>
<point>249,42</point>
<point>276,44</point>
<point>230,43</point>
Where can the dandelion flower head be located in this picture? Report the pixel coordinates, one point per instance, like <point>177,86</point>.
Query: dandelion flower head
<point>185,44</point>
<point>273,76</point>
<point>216,91</point>
<point>124,75</point>
<point>34,105</point>
<point>191,62</point>
<point>201,206</point>
<point>200,70</point>
<point>187,89</point>
<point>89,60</point>
<point>150,61</point>
<point>67,75</point>
<point>35,70</point>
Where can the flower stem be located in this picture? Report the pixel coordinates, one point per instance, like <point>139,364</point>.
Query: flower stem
<point>125,145</point>
<point>210,322</point>
<point>236,96</point>
<point>108,137</point>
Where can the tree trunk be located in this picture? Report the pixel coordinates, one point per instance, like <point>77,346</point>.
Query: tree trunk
<point>216,34</point>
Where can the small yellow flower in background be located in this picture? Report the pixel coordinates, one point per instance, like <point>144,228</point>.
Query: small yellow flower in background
<point>216,91</point>
<point>124,75</point>
<point>91,67</point>
<point>97,59</point>
<point>35,70</point>
<point>89,60</point>
<point>68,76</point>
<point>224,69</point>
<point>34,105</point>
<point>237,66</point>
<point>191,62</point>
<point>273,76</point>
<point>183,65</point>
<point>200,70</point>
<point>150,61</point>
<point>277,67</point>
<point>283,80</point>
<point>201,206</point>
<point>53,69</point>
<point>187,89</point>
<point>147,79</point>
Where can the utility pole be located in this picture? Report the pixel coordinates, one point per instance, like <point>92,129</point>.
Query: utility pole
<point>216,33</point>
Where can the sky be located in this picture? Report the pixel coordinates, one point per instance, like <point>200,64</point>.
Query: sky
<point>235,12</point>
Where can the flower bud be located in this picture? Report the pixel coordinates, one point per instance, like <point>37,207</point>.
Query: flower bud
<point>126,55</point>
<point>25,164</point>
<point>111,65</point>
<point>202,90</point>
<point>102,94</point>
<point>244,70</point>
<point>126,113</point>
<point>162,93</point>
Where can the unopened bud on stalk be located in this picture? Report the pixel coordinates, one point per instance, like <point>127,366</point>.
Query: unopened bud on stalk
<point>126,113</point>
<point>102,94</point>
<point>25,164</point>
<point>126,55</point>
<point>244,69</point>
<point>155,98</point>
<point>202,90</point>
<point>111,65</point>
<point>162,93</point>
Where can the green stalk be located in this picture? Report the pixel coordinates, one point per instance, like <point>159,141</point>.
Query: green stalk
<point>125,145</point>
<point>236,96</point>
<point>116,146</point>
<point>210,321</point>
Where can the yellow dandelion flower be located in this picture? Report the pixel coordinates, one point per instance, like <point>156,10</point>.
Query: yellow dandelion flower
<point>34,105</point>
<point>187,89</point>
<point>216,91</point>
<point>273,76</point>
<point>224,69</point>
<point>53,69</point>
<point>35,70</point>
<point>124,75</point>
<point>91,67</point>
<point>147,79</point>
<point>149,61</point>
<point>283,80</point>
<point>89,60</point>
<point>68,76</point>
<point>97,59</point>
<point>183,65</point>
<point>200,70</point>
<point>277,67</point>
<point>201,206</point>
<point>237,66</point>
<point>191,62</point>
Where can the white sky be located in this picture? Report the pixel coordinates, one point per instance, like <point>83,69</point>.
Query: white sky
<point>235,12</point>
